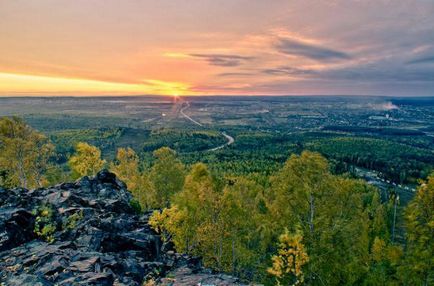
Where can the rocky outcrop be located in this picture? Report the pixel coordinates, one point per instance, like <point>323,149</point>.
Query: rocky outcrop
<point>87,233</point>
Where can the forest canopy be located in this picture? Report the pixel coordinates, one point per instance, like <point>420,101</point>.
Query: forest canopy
<point>302,224</point>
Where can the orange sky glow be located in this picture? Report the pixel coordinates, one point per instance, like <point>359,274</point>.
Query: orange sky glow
<point>236,47</point>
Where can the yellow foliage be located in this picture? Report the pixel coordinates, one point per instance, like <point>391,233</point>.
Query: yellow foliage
<point>24,154</point>
<point>378,249</point>
<point>169,223</point>
<point>87,160</point>
<point>127,167</point>
<point>394,254</point>
<point>290,258</point>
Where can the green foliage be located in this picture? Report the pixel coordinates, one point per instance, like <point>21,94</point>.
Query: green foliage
<point>329,211</point>
<point>193,209</point>
<point>337,216</point>
<point>419,215</point>
<point>398,162</point>
<point>166,175</point>
<point>231,209</point>
<point>57,174</point>
<point>205,220</point>
<point>153,189</point>
<point>185,140</point>
<point>383,265</point>
<point>136,206</point>
<point>66,140</point>
<point>45,224</point>
<point>71,222</point>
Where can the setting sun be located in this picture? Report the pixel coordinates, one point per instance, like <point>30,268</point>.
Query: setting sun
<point>18,84</point>
<point>216,47</point>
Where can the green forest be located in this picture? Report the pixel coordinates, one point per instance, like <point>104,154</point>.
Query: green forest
<point>296,216</point>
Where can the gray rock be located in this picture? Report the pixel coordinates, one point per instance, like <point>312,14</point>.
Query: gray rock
<point>27,279</point>
<point>98,239</point>
<point>16,227</point>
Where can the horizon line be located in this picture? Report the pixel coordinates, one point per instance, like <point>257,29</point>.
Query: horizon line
<point>211,95</point>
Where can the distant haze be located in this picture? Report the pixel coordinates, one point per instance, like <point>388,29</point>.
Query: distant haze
<point>227,47</point>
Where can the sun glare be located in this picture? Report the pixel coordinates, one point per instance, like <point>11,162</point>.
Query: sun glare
<point>13,84</point>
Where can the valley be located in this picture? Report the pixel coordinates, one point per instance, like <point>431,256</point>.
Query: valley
<point>393,136</point>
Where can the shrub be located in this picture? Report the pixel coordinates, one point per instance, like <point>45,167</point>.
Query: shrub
<point>45,225</point>
<point>71,222</point>
<point>136,206</point>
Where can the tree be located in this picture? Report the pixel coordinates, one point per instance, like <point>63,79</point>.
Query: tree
<point>304,178</point>
<point>87,160</point>
<point>242,242</point>
<point>167,176</point>
<point>419,217</point>
<point>24,154</point>
<point>199,201</point>
<point>126,168</point>
<point>192,214</point>
<point>290,259</point>
<point>383,264</point>
<point>204,220</point>
<point>170,223</point>
<point>234,227</point>
<point>331,213</point>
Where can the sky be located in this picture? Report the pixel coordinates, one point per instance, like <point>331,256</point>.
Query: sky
<point>225,47</point>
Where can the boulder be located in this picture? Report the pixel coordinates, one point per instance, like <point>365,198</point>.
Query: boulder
<point>16,227</point>
<point>88,235</point>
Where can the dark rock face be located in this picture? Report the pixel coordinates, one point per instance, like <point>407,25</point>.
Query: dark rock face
<point>88,235</point>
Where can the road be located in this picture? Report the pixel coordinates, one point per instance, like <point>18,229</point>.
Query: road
<point>230,141</point>
<point>406,193</point>
<point>188,117</point>
<point>229,138</point>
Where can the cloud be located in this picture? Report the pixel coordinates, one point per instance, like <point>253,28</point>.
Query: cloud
<point>380,71</point>
<point>219,89</point>
<point>311,51</point>
<point>231,74</point>
<point>223,60</point>
<point>288,71</point>
<point>422,60</point>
